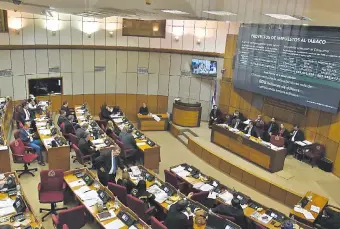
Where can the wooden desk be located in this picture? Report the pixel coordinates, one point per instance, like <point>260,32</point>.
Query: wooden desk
<point>5,163</point>
<point>151,153</point>
<point>6,119</point>
<point>147,122</point>
<point>57,157</point>
<point>315,200</point>
<point>34,222</point>
<point>186,114</point>
<point>70,177</point>
<point>271,160</point>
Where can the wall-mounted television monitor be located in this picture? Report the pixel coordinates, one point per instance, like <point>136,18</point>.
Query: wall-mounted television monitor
<point>45,86</point>
<point>204,67</point>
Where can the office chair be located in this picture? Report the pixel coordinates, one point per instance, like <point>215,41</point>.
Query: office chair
<point>65,226</point>
<point>51,190</point>
<point>74,140</point>
<point>80,157</point>
<point>67,217</point>
<point>16,134</point>
<point>139,207</point>
<point>119,191</point>
<point>174,181</point>
<point>21,154</point>
<point>259,226</point>
<point>277,141</point>
<point>200,197</point>
<point>127,153</point>
<point>155,224</point>
<point>314,153</point>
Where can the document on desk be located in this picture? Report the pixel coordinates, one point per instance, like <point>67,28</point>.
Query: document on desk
<point>5,203</point>
<point>264,218</point>
<point>308,215</point>
<point>307,142</point>
<point>118,120</point>
<point>156,118</point>
<point>88,195</point>
<point>98,141</point>
<point>3,147</point>
<point>7,211</point>
<point>198,185</point>
<point>91,204</point>
<point>140,143</point>
<point>315,209</point>
<point>135,170</point>
<point>160,195</point>
<point>77,183</point>
<point>212,195</point>
<point>226,197</point>
<point>206,188</point>
<point>45,131</point>
<point>116,224</point>
<point>39,124</point>
<point>177,169</point>
<point>183,174</point>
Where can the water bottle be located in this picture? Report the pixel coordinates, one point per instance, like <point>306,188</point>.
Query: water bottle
<point>116,204</point>
<point>178,192</point>
<point>18,190</point>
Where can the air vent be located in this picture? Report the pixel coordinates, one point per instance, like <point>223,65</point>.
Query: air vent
<point>6,73</point>
<point>54,69</point>
<point>99,68</point>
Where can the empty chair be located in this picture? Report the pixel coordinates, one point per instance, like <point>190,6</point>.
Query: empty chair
<point>277,141</point>
<point>51,190</point>
<point>314,153</point>
<point>155,224</point>
<point>119,191</point>
<point>139,207</point>
<point>21,154</point>
<point>67,217</point>
<point>80,157</point>
<point>173,180</point>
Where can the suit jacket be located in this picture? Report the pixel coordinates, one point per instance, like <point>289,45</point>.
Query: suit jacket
<point>129,185</point>
<point>228,210</point>
<point>68,127</point>
<point>240,125</point>
<point>105,113</point>
<point>214,115</point>
<point>61,119</point>
<point>104,161</point>
<point>79,132</point>
<point>283,133</point>
<point>23,135</point>
<point>275,128</point>
<point>128,140</point>
<point>85,147</point>
<point>252,132</point>
<point>143,110</point>
<point>298,137</point>
<point>22,116</point>
<point>177,220</point>
<point>66,109</point>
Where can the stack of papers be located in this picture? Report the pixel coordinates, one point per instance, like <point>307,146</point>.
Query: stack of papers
<point>116,224</point>
<point>40,124</point>
<point>315,209</point>
<point>177,169</point>
<point>7,211</point>
<point>206,188</point>
<point>264,218</point>
<point>85,193</point>
<point>98,141</point>
<point>135,171</point>
<point>117,120</point>
<point>140,143</point>
<point>156,118</point>
<point>183,174</point>
<point>198,185</point>
<point>77,183</point>
<point>45,131</point>
<point>81,118</point>
<point>226,197</point>
<point>306,213</point>
<point>5,203</point>
<point>212,195</point>
<point>160,195</point>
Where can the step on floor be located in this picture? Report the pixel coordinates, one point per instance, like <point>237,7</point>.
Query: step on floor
<point>183,139</point>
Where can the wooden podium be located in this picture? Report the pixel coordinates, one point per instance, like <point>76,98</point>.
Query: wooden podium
<point>147,122</point>
<point>186,114</point>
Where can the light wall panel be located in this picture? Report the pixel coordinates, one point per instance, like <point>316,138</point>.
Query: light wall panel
<point>144,42</point>
<point>195,88</point>
<point>67,83</point>
<point>88,60</point>
<point>122,61</point>
<point>5,59</point>
<point>143,59</point>
<point>99,82</point>
<point>65,32</point>
<point>40,33</point>
<point>176,60</point>
<point>164,64</point>
<point>19,91</point>
<point>188,38</point>
<point>78,83</point>
<point>121,82</point>
<point>132,61</point>
<point>89,82</point>
<point>154,62</point>
<point>155,43</point>
<point>18,63</point>
<point>131,81</point>
<point>76,33</point>
<point>111,71</point>
<point>142,87</point>
<point>163,84</point>
<point>53,58</point>
<point>28,31</point>
<point>153,84</point>
<point>66,60</point>
<point>206,86</point>
<point>6,86</point>
<point>174,85</point>
<point>42,61</point>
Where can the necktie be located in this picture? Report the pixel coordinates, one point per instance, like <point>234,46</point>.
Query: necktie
<point>270,127</point>
<point>113,165</point>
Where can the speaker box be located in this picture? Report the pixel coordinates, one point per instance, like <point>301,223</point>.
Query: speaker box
<point>325,164</point>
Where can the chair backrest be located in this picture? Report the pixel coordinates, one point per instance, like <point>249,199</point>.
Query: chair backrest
<point>65,226</point>
<point>155,224</point>
<point>62,127</point>
<point>200,197</point>
<point>119,191</point>
<point>137,206</point>
<point>318,150</point>
<point>171,178</point>
<point>74,139</point>
<point>114,136</point>
<point>16,134</point>
<point>52,180</point>
<point>17,147</point>
<point>79,154</point>
<point>74,218</point>
<point>277,141</point>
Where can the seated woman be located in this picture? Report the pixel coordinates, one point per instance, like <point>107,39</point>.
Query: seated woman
<point>141,193</point>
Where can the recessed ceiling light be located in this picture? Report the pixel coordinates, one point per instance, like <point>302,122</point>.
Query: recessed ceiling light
<point>282,16</point>
<point>220,13</point>
<point>174,12</point>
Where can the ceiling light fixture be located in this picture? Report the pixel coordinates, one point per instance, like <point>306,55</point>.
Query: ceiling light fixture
<point>288,17</point>
<point>198,41</point>
<point>155,28</point>
<point>174,12</point>
<point>220,13</point>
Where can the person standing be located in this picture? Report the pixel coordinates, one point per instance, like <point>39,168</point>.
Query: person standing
<point>214,115</point>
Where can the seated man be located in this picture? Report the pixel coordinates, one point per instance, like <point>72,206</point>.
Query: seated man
<point>250,130</point>
<point>128,140</point>
<point>235,210</point>
<point>126,182</point>
<point>27,139</point>
<point>62,117</point>
<point>25,115</point>
<point>65,108</point>
<point>214,115</point>
<point>296,135</point>
<point>105,112</point>
<point>236,123</point>
<point>238,115</point>
<point>178,217</point>
<point>117,111</point>
<point>86,146</point>
<point>82,130</point>
<point>68,125</point>
<point>272,128</point>
<point>143,110</point>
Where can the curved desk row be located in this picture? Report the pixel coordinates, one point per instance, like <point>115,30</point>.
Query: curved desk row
<point>186,114</point>
<point>5,122</point>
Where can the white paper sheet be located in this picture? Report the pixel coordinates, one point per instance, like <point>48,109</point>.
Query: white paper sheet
<point>3,147</point>
<point>184,173</point>
<point>4,203</point>
<point>177,169</point>
<point>308,215</point>
<point>198,185</point>
<point>212,195</point>
<point>98,141</point>
<point>77,183</point>
<point>160,195</point>
<point>116,224</point>
<point>265,218</point>
<point>307,142</point>
<point>156,118</point>
<point>7,211</point>
<point>315,209</point>
<point>247,122</point>
<point>140,143</point>
<point>135,170</point>
<point>226,197</point>
<point>206,188</point>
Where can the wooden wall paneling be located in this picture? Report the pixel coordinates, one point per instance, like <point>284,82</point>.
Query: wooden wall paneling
<point>224,109</point>
<point>236,172</point>
<point>228,66</point>
<point>312,119</point>
<point>230,47</point>
<point>234,98</point>
<point>140,100</point>
<point>205,155</point>
<point>325,121</point>
<point>152,103</point>
<point>225,167</point>
<point>43,98</point>
<point>225,93</point>
<point>162,104</point>
<point>111,99</point>
<point>121,101</point>
<point>69,99</point>
<point>198,150</point>
<point>191,145</point>
<point>131,107</point>
<point>309,135</point>
<point>334,128</point>
<point>292,199</point>
<point>78,99</point>
<point>254,111</point>
<point>56,102</point>
<point>262,186</point>
<point>89,100</point>
<point>247,97</point>
<point>248,179</point>
<point>336,165</point>
<point>214,161</point>
<point>331,149</point>
<point>277,193</point>
<point>99,100</point>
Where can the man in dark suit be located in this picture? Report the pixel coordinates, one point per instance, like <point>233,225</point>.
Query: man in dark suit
<point>27,139</point>
<point>128,139</point>
<point>143,110</point>
<point>65,108</point>
<point>259,126</point>
<point>296,135</point>
<point>24,114</point>
<point>250,130</point>
<point>237,124</point>
<point>62,117</point>
<point>82,130</point>
<point>105,112</point>
<point>214,115</point>
<point>238,115</point>
<point>283,132</point>
<point>272,128</point>
<point>68,125</point>
<point>177,217</point>
<point>106,164</point>
<point>235,210</point>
